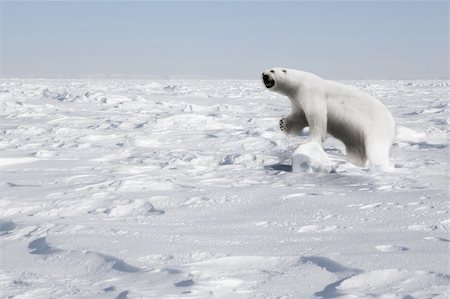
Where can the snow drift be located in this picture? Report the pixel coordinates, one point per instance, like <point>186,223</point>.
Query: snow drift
<point>187,189</point>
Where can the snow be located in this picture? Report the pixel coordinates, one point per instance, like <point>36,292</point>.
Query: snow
<point>185,189</point>
<point>311,158</point>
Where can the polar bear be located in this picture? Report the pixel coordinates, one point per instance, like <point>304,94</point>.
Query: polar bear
<point>361,122</point>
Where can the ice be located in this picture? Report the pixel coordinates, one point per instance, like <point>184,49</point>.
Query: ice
<point>188,189</point>
<point>311,158</point>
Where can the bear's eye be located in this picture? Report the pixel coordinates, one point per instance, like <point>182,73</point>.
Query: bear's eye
<point>284,71</point>
<point>272,71</point>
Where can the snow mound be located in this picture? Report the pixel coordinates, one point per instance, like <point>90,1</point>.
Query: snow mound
<point>396,283</point>
<point>314,228</point>
<point>433,138</point>
<point>391,248</point>
<point>132,208</point>
<point>311,158</point>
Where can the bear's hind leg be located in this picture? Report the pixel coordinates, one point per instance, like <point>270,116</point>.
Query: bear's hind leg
<point>378,153</point>
<point>356,156</point>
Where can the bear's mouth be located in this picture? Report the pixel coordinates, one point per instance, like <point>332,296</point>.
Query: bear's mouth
<point>268,81</point>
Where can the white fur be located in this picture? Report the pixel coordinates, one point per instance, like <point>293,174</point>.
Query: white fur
<point>362,122</point>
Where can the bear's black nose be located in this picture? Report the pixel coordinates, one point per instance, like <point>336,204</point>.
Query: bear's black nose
<point>265,77</point>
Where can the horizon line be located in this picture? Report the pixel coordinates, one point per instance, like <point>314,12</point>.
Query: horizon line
<point>181,77</point>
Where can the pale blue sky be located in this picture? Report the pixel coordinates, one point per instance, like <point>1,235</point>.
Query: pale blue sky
<point>338,40</point>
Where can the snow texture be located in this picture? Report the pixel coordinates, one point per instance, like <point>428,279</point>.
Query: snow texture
<point>185,189</point>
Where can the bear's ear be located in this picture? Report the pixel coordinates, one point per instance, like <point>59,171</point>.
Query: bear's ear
<point>284,71</point>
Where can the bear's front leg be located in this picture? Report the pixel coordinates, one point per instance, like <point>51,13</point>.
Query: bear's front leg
<point>316,116</point>
<point>292,125</point>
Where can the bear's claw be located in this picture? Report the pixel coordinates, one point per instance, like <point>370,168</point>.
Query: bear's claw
<point>282,125</point>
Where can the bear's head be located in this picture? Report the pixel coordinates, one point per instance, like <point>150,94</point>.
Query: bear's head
<point>280,80</point>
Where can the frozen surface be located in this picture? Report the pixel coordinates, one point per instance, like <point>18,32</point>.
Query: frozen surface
<point>184,189</point>
<point>310,157</point>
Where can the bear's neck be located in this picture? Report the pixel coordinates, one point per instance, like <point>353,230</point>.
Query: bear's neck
<point>290,93</point>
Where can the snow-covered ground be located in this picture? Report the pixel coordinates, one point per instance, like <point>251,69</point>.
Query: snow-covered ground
<point>184,189</point>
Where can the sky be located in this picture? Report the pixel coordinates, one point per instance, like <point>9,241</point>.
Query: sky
<point>213,39</point>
